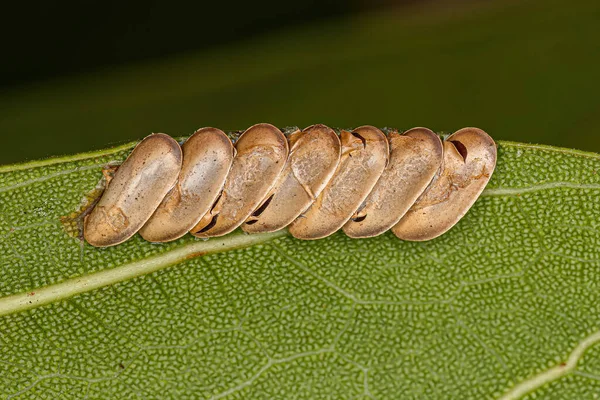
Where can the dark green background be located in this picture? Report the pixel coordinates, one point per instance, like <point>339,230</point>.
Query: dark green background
<point>527,71</point>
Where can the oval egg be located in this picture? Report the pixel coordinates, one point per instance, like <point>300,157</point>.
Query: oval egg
<point>469,161</point>
<point>207,158</point>
<point>137,188</point>
<point>364,156</point>
<point>415,157</point>
<point>262,152</point>
<point>314,156</point>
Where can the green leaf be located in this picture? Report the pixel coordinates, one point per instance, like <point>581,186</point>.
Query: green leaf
<point>504,304</point>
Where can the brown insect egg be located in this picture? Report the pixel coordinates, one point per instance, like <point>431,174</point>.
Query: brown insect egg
<point>469,161</point>
<point>134,193</point>
<point>415,157</point>
<point>207,158</point>
<point>314,156</point>
<point>364,157</point>
<point>261,155</point>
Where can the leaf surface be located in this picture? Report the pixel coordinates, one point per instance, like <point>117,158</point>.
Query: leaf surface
<point>505,304</point>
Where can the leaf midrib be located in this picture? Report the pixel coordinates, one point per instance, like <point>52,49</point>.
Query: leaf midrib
<point>63,290</point>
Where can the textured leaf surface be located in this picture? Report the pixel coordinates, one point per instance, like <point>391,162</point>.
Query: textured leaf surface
<point>506,303</point>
